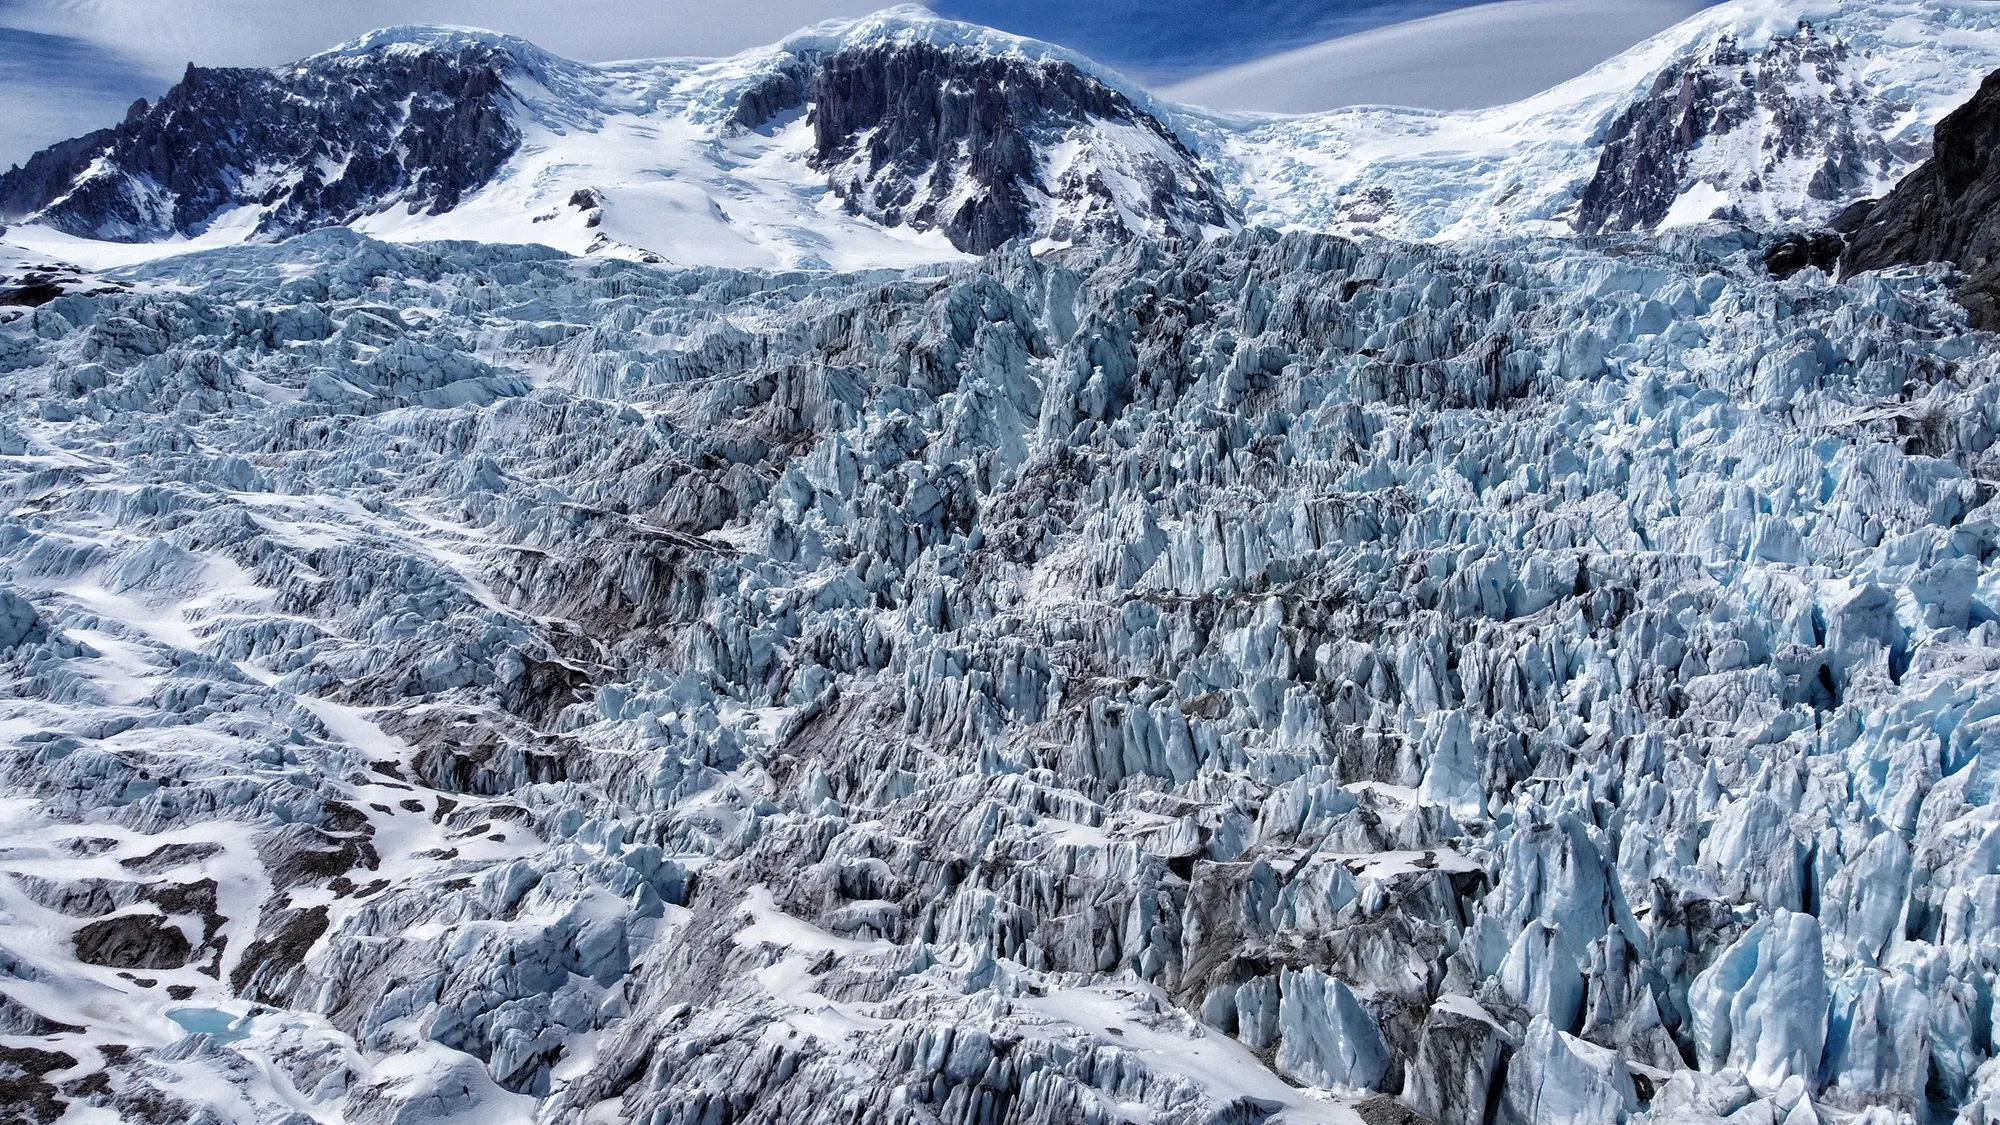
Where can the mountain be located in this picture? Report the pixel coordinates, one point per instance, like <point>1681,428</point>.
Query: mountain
<point>926,139</point>
<point>319,144</point>
<point>1730,123</point>
<point>1759,112</point>
<point>1948,210</point>
<point>902,138</point>
<point>987,147</point>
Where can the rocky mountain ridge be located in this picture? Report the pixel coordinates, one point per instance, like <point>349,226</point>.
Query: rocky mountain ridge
<point>918,132</point>
<point>1795,109</point>
<point>902,138</point>
<point>908,131</point>
<point>319,144</point>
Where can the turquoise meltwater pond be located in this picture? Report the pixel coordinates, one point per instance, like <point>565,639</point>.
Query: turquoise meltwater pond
<point>224,1027</point>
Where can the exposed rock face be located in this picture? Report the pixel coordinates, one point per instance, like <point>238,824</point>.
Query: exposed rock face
<point>1731,119</point>
<point>1791,253</point>
<point>316,144</point>
<point>988,147</point>
<point>1645,154</point>
<point>133,941</point>
<point>50,174</point>
<point>1948,210</point>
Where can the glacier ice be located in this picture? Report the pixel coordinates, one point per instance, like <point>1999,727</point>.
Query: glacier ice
<point>1760,1008</point>
<point>1274,678</point>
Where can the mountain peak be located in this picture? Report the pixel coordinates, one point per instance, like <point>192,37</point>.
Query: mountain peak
<point>322,142</point>
<point>914,23</point>
<point>443,38</point>
<point>429,35</point>
<point>917,24</point>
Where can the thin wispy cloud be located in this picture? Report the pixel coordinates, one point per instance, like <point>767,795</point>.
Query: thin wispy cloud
<point>1163,40</point>
<point>169,33</point>
<point>1486,55</point>
<point>57,86</point>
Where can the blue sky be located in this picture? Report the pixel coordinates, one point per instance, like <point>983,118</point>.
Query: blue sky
<point>1177,38</point>
<point>57,86</point>
<point>67,66</point>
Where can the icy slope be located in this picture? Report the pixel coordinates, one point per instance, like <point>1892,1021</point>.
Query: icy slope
<point>1740,110</point>
<point>1179,684</point>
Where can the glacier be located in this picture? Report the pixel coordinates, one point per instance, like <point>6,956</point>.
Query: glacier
<point>1269,678</point>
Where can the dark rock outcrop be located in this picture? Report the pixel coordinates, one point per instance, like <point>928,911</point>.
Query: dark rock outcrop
<point>1827,124</point>
<point>1948,210</point>
<point>25,1092</point>
<point>270,963</point>
<point>929,137</point>
<point>33,292</point>
<point>50,173</point>
<point>317,144</point>
<point>133,941</point>
<point>1639,175</point>
<point>1794,252</point>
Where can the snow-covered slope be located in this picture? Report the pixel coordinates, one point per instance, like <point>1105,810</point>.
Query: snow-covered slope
<point>903,138</point>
